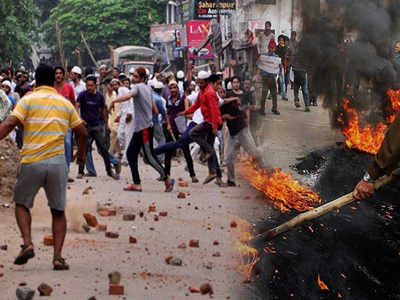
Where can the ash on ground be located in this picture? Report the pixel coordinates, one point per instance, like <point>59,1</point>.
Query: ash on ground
<point>354,250</point>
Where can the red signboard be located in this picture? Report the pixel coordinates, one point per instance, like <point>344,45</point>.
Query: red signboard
<point>197,32</point>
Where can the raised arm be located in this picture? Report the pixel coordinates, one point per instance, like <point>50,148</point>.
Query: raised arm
<point>7,126</point>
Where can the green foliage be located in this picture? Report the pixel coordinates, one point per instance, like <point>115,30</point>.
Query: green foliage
<point>18,22</point>
<point>103,22</point>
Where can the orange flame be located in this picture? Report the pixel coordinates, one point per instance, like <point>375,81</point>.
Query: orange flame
<point>394,106</point>
<point>248,256</point>
<point>368,139</point>
<point>285,192</point>
<point>322,284</point>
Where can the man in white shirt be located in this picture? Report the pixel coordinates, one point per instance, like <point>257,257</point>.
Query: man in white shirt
<point>126,128</point>
<point>77,82</point>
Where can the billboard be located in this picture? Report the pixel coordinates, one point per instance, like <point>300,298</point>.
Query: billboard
<point>164,33</point>
<point>208,9</point>
<point>197,32</point>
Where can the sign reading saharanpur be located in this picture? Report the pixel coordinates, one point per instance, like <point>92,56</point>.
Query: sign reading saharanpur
<point>208,9</point>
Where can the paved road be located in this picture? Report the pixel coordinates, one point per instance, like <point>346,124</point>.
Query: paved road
<point>204,215</point>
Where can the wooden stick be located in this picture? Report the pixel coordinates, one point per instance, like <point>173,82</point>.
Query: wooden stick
<point>89,51</point>
<point>60,46</point>
<point>315,213</point>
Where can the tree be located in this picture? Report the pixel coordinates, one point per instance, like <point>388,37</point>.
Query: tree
<point>45,7</point>
<point>18,23</point>
<point>103,22</point>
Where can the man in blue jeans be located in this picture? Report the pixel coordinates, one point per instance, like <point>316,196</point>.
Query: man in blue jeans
<point>94,113</point>
<point>89,158</point>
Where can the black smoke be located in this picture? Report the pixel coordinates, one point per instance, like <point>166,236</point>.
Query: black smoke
<point>349,48</point>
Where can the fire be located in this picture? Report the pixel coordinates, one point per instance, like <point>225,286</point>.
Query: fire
<point>368,138</point>
<point>322,284</point>
<point>394,106</point>
<point>285,192</point>
<point>248,255</point>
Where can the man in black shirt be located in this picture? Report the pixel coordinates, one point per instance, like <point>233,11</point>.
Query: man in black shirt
<point>94,111</point>
<point>239,135</point>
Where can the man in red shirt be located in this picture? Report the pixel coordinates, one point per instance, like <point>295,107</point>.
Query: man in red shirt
<point>204,134</point>
<point>65,89</point>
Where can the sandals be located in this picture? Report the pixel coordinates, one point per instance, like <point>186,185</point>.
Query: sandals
<point>26,254</point>
<point>59,264</point>
<point>169,188</point>
<point>132,188</point>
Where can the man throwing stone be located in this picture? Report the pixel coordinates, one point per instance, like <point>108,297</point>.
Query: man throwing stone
<point>46,117</point>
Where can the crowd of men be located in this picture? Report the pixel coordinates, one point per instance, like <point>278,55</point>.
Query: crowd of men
<point>204,116</point>
<point>125,116</point>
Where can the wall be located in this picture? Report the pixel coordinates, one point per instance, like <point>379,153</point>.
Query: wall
<point>284,16</point>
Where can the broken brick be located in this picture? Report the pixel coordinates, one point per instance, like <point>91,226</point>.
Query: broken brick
<point>194,289</point>
<point>86,191</point>
<point>182,246</point>
<point>233,224</point>
<point>91,220</point>
<point>129,217</point>
<point>163,213</point>
<point>107,212</point>
<point>48,240</point>
<point>216,243</point>
<point>183,184</point>
<point>114,277</point>
<point>194,243</point>
<point>206,288</point>
<point>112,235</point>
<point>152,208</point>
<point>173,261</point>
<point>181,195</point>
<point>116,289</point>
<point>4,247</point>
<point>141,214</point>
<point>102,227</point>
<point>132,240</point>
<point>156,218</point>
<point>44,289</point>
<point>1,275</point>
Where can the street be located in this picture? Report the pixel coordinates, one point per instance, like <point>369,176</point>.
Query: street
<point>205,215</point>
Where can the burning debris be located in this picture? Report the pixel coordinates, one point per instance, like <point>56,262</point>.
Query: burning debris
<point>249,256</point>
<point>322,284</point>
<point>285,192</point>
<point>334,261</point>
<point>367,138</point>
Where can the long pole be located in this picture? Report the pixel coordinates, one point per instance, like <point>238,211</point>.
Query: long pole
<point>315,213</point>
<point>89,51</point>
<point>60,46</point>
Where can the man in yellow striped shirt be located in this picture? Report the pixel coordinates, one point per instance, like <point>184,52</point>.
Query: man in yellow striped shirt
<point>46,117</point>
